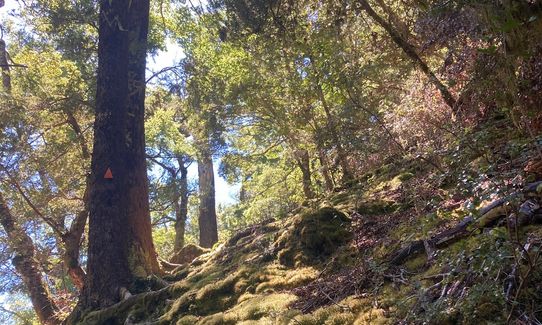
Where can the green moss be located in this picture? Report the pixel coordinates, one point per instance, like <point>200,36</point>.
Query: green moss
<point>188,253</point>
<point>417,263</point>
<point>276,279</point>
<point>314,235</point>
<point>215,319</point>
<point>343,312</point>
<point>286,256</point>
<point>179,308</point>
<point>177,275</point>
<point>136,260</point>
<point>340,198</point>
<point>221,294</point>
<point>377,207</point>
<point>136,308</point>
<point>259,306</point>
<point>385,169</point>
<point>373,316</point>
<point>205,276</point>
<point>403,177</point>
<point>187,320</point>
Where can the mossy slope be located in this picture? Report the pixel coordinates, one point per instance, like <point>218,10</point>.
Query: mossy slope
<point>329,265</point>
<point>247,280</point>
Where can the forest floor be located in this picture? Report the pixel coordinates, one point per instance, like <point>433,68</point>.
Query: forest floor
<point>406,244</point>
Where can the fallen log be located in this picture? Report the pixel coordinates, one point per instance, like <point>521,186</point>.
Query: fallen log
<point>488,215</point>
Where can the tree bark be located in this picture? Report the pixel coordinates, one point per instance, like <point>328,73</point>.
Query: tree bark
<point>181,206</point>
<point>120,240</point>
<point>27,267</point>
<point>410,51</point>
<point>208,231</point>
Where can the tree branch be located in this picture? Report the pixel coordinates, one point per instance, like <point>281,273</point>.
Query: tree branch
<point>46,219</point>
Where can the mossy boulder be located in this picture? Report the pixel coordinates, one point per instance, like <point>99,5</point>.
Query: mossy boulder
<point>314,235</point>
<point>403,177</point>
<point>187,254</point>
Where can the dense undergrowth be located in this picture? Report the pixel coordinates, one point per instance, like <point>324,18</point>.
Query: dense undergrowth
<point>329,261</point>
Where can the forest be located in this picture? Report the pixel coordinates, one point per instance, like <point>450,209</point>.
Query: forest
<point>270,162</point>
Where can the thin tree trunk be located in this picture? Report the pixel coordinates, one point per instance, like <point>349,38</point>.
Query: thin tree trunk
<point>303,161</point>
<point>120,240</point>
<point>70,258</point>
<point>6,77</point>
<point>27,267</point>
<point>72,238</point>
<point>332,127</point>
<point>403,29</point>
<point>85,152</point>
<point>208,231</point>
<point>243,191</point>
<point>411,53</point>
<point>324,170</point>
<point>181,207</point>
<point>347,174</point>
<point>72,244</point>
<point>322,157</point>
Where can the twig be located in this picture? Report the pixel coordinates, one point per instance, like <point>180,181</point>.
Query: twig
<point>522,282</point>
<point>436,276</point>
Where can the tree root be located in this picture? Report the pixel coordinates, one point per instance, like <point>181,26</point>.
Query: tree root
<point>120,311</point>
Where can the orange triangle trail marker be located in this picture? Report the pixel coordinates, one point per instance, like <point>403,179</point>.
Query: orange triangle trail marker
<point>108,174</point>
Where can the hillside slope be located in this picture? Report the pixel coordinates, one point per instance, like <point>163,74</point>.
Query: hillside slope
<point>408,244</point>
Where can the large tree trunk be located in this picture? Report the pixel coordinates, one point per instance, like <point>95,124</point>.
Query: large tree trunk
<point>208,232</point>
<point>410,51</point>
<point>181,206</point>
<point>120,240</point>
<point>27,267</point>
